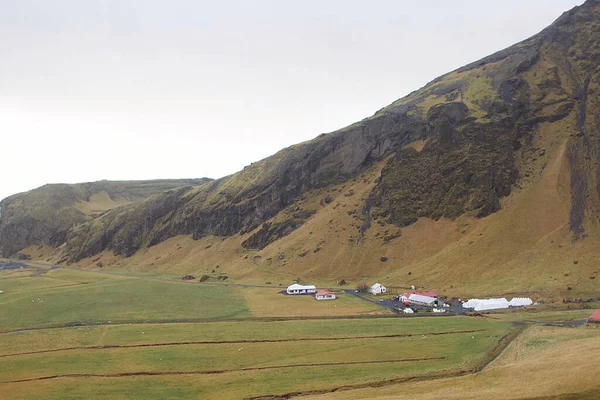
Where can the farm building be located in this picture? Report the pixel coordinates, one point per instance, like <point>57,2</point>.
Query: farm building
<point>520,302</point>
<point>420,300</point>
<point>377,288</point>
<point>301,289</point>
<point>325,295</point>
<point>404,297</point>
<point>595,317</point>
<point>486,304</point>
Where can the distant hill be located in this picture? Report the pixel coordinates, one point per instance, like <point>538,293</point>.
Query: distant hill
<point>487,179</point>
<point>44,215</point>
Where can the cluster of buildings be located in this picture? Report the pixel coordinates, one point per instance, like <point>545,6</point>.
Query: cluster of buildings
<point>311,290</point>
<point>414,299</point>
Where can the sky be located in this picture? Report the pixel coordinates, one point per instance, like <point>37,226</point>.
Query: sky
<point>147,89</point>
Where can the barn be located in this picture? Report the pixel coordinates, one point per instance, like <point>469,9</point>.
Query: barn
<point>301,289</point>
<point>324,295</point>
<point>377,288</point>
<point>595,318</point>
<point>404,297</point>
<point>420,300</point>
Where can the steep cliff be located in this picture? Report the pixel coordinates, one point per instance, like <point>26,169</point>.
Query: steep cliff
<point>44,215</point>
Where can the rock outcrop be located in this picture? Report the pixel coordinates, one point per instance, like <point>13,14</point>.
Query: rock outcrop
<point>46,214</point>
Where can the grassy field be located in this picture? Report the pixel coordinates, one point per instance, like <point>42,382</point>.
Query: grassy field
<point>156,337</point>
<point>544,363</point>
<point>70,296</point>
<point>542,316</point>
<point>269,303</point>
<point>236,359</point>
<point>139,334</point>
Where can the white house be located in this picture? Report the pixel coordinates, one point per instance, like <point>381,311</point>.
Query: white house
<point>421,300</point>
<point>324,295</point>
<point>377,288</point>
<point>301,289</point>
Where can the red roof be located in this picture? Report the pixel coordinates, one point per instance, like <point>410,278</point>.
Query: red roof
<point>323,293</point>
<point>595,316</point>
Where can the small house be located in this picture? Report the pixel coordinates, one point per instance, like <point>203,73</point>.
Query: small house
<point>595,318</point>
<point>324,295</point>
<point>377,288</point>
<point>301,289</point>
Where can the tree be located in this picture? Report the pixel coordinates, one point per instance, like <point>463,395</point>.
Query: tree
<point>362,288</point>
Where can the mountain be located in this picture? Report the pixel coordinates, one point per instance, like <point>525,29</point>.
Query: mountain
<point>487,179</point>
<point>43,216</point>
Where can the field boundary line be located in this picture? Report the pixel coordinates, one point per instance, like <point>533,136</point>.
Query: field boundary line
<point>220,371</point>
<point>76,324</point>
<point>246,341</point>
<point>491,355</point>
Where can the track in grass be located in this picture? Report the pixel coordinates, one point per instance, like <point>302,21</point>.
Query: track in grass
<point>221,371</point>
<point>490,356</point>
<point>215,342</point>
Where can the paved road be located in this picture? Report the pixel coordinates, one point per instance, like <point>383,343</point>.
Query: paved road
<point>385,303</point>
<point>5,265</point>
<point>455,307</point>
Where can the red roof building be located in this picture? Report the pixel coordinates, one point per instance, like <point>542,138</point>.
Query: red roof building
<point>595,317</point>
<point>325,295</point>
<point>404,297</point>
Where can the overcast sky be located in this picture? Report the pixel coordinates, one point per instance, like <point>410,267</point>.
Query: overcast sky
<point>141,89</point>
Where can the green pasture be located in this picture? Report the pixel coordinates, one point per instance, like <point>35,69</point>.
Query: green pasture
<point>66,297</point>
<point>220,352</point>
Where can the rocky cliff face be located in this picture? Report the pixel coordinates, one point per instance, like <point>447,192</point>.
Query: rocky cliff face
<point>476,127</point>
<point>45,215</point>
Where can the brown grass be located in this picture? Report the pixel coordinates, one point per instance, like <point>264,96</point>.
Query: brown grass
<point>543,362</point>
<point>525,248</point>
<point>417,145</point>
<point>269,303</point>
<point>98,203</point>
